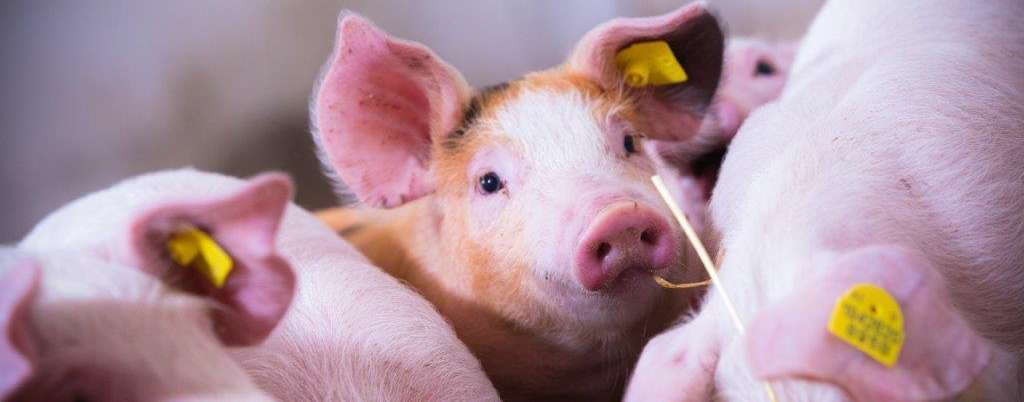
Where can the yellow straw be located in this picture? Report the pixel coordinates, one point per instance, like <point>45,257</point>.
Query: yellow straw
<point>706,260</point>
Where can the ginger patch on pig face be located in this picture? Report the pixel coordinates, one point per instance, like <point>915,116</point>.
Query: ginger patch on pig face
<point>558,144</point>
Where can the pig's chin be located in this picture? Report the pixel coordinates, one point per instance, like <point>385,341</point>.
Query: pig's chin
<point>627,299</point>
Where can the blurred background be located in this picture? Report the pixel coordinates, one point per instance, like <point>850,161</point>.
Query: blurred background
<point>95,91</point>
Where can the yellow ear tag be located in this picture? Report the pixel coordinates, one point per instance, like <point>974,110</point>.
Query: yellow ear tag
<point>650,63</point>
<point>194,248</point>
<point>869,319</point>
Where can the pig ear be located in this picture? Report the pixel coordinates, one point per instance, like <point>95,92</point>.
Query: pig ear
<point>259,288</point>
<point>940,356</point>
<point>697,42</point>
<point>19,280</point>
<point>380,105</point>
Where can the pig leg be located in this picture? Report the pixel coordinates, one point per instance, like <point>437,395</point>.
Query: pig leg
<point>679,364</point>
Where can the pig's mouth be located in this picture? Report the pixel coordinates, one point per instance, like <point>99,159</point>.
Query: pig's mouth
<point>705,169</point>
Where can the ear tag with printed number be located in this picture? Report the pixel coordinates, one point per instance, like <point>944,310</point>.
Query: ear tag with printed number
<point>194,248</point>
<point>869,319</point>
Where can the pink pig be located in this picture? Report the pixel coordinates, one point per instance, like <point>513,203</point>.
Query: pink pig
<point>93,309</point>
<point>351,332</point>
<point>524,211</point>
<point>892,158</point>
<point>755,73</point>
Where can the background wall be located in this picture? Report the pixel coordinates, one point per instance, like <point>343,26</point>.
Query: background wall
<point>94,91</point>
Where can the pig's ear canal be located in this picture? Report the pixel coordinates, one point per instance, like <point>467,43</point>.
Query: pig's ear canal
<point>940,355</point>
<point>222,248</point>
<point>19,280</point>
<point>696,41</point>
<point>381,103</point>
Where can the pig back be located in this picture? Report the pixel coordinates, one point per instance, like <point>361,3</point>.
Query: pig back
<point>356,333</point>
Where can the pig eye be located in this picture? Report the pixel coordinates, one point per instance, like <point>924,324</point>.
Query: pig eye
<point>629,143</point>
<point>490,183</point>
<point>764,68</point>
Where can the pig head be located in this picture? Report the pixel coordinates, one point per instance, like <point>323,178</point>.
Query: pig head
<point>754,73</point>
<point>528,202</point>
<point>95,308</point>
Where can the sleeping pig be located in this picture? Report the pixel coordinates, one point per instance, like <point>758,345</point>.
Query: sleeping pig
<point>892,159</point>
<point>523,211</point>
<point>116,319</point>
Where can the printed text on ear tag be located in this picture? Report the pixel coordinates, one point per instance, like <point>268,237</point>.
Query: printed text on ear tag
<point>649,63</point>
<point>869,319</point>
<point>194,248</point>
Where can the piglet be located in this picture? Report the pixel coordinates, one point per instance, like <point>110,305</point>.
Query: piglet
<point>94,309</point>
<point>351,332</point>
<point>893,158</point>
<point>754,73</point>
<point>523,211</point>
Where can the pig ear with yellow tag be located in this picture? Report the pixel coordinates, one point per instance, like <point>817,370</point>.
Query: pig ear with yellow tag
<point>877,323</point>
<point>222,248</point>
<point>671,63</point>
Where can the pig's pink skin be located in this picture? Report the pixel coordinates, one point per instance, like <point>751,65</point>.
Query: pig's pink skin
<point>18,284</point>
<point>940,355</point>
<point>503,266</point>
<point>351,333</point>
<point>743,89</point>
<point>391,100</point>
<point>900,126</point>
<point>594,57</point>
<point>101,331</point>
<point>624,237</point>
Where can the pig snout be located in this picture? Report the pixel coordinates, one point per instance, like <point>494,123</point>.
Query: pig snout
<point>626,236</point>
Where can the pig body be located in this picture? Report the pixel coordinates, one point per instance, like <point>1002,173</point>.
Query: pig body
<point>94,330</point>
<point>523,211</point>
<point>352,332</point>
<point>893,157</point>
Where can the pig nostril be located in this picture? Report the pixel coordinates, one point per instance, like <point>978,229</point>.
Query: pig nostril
<point>648,236</point>
<point>603,249</point>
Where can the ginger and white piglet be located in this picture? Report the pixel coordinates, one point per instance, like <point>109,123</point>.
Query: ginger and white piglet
<point>893,158</point>
<point>351,332</point>
<point>524,211</point>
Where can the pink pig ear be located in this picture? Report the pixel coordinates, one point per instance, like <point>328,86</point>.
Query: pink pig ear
<point>19,280</point>
<point>261,284</point>
<point>697,42</point>
<point>940,357</point>
<point>380,105</point>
